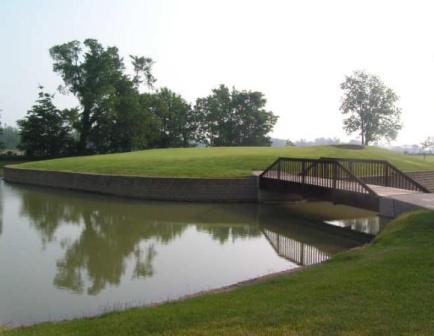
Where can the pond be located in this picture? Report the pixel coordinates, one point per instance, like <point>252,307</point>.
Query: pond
<point>68,254</point>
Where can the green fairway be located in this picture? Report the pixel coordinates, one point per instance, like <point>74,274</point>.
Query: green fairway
<point>385,288</point>
<point>214,162</point>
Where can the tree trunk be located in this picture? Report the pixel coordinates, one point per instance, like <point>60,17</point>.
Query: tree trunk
<point>84,132</point>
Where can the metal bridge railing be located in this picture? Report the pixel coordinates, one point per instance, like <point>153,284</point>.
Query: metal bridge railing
<point>379,172</point>
<point>325,173</point>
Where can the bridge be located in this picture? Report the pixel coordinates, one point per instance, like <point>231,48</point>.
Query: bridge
<point>355,182</point>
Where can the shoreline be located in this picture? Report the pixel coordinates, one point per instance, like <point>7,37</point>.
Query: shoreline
<point>184,189</point>
<point>212,291</point>
<point>200,293</point>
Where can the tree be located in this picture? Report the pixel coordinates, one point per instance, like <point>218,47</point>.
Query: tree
<point>370,108</point>
<point>96,76</point>
<point>289,143</point>
<point>142,70</point>
<point>9,137</point>
<point>2,144</point>
<point>177,124</point>
<point>135,127</point>
<point>46,131</point>
<point>426,144</point>
<point>234,118</point>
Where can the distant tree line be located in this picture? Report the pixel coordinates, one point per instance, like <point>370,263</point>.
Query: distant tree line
<point>114,115</point>
<point>9,137</point>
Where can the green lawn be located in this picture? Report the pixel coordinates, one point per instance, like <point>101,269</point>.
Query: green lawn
<point>214,162</point>
<point>385,288</point>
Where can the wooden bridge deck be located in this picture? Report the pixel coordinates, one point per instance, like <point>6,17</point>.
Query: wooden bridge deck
<point>390,191</point>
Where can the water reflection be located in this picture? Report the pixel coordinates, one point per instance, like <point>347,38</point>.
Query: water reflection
<point>295,251</point>
<point>85,251</point>
<point>115,230</point>
<point>368,225</point>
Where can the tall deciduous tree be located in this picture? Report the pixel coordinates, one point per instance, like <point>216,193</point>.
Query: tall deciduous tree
<point>134,126</point>
<point>177,124</point>
<point>235,118</point>
<point>46,131</point>
<point>95,74</point>
<point>370,108</point>
<point>427,144</point>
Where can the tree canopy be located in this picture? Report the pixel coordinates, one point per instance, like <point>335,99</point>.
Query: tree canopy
<point>370,108</point>
<point>113,115</point>
<point>46,131</point>
<point>177,122</point>
<point>9,137</point>
<point>96,76</point>
<point>234,118</point>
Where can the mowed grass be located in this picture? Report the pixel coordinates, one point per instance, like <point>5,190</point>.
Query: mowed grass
<point>385,288</point>
<point>214,162</point>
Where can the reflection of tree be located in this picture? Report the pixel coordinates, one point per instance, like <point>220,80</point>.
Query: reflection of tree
<point>222,233</point>
<point>112,232</point>
<point>115,231</point>
<point>46,213</point>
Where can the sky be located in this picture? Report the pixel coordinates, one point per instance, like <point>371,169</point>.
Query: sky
<point>296,52</point>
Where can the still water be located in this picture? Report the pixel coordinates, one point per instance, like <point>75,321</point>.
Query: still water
<point>67,254</point>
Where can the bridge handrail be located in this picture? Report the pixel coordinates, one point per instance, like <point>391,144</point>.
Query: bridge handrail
<point>370,191</point>
<point>394,181</point>
<point>338,168</point>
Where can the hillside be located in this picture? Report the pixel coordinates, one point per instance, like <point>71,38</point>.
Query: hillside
<point>214,162</point>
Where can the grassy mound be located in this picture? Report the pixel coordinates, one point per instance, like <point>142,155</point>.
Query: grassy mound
<point>385,288</point>
<point>214,162</point>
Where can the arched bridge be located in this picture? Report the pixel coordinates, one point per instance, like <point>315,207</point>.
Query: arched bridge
<point>355,182</point>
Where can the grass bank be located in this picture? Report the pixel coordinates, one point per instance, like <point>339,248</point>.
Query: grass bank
<point>386,288</point>
<point>214,162</point>
<point>8,163</point>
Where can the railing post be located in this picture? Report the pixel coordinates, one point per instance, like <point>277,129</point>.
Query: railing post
<point>386,173</point>
<point>278,169</point>
<point>303,171</point>
<point>335,168</point>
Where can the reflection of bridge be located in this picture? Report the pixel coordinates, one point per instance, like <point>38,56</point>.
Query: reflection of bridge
<point>295,251</point>
<point>347,181</point>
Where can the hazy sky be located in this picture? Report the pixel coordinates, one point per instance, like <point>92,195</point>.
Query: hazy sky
<point>296,52</point>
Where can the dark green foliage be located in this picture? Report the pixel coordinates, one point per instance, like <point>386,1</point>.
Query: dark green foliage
<point>234,118</point>
<point>114,117</point>
<point>46,131</point>
<point>110,118</point>
<point>142,71</point>
<point>9,137</point>
<point>2,145</point>
<point>136,127</point>
<point>371,108</point>
<point>177,124</point>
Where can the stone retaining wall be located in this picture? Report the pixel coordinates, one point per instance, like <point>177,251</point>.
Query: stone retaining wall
<point>149,188</point>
